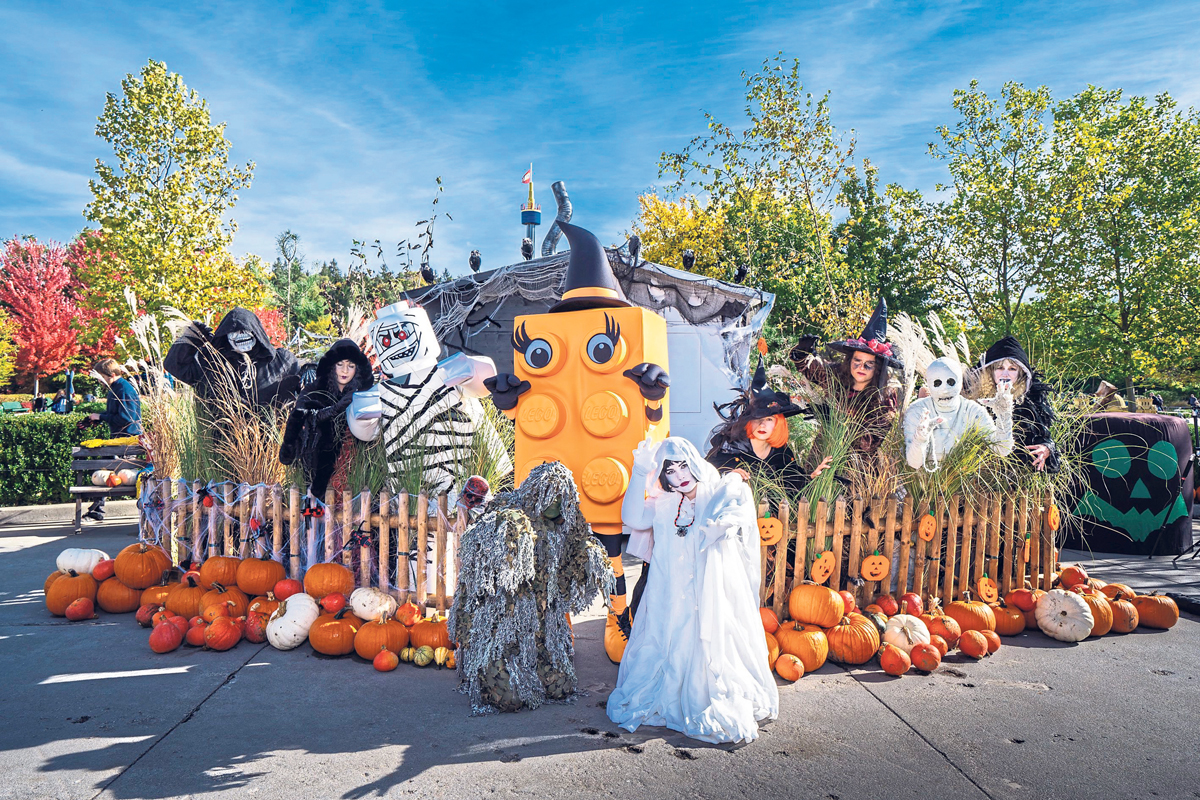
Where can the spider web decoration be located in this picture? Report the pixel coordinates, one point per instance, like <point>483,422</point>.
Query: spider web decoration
<point>523,567</point>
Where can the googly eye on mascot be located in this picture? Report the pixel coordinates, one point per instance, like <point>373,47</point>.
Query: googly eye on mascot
<point>239,347</point>
<point>425,411</point>
<point>589,383</point>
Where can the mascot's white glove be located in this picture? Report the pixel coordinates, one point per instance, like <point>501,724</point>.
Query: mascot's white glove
<point>1002,407</point>
<point>643,456</point>
<point>925,427</point>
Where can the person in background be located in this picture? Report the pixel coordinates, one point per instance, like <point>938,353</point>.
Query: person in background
<point>1193,404</point>
<point>39,403</point>
<point>1158,402</point>
<point>59,405</point>
<point>123,412</point>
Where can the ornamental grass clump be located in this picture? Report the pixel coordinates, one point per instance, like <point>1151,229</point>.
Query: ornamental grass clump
<point>524,566</point>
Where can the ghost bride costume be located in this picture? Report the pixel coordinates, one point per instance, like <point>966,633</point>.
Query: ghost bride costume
<point>695,661</point>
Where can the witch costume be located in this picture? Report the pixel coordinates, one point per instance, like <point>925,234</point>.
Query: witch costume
<point>874,407</point>
<point>317,425</point>
<point>1033,416</point>
<point>695,662</point>
<point>731,446</point>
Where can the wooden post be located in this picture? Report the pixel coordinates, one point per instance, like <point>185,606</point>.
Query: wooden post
<point>227,508</point>
<point>991,565</point>
<point>385,540</point>
<point>918,578</point>
<point>364,552</point>
<point>403,548</point>
<point>781,553</point>
<point>439,552</point>
<point>329,522</point>
<point>181,509</point>
<point>277,522</point>
<point>166,538</point>
<point>802,532</point>
<point>933,563</point>
<point>854,561</point>
<point>212,528</point>
<point>1035,545</point>
<point>888,546</point>
<point>197,514</point>
<point>871,588</point>
<point>294,531</point>
<point>422,547</point>
<point>953,536</point>
<point>1049,563</point>
<point>1010,546</point>
<point>906,537</point>
<point>1022,532</point>
<point>968,536</point>
<point>244,521</point>
<point>839,535</point>
<point>347,529</point>
<point>982,534</point>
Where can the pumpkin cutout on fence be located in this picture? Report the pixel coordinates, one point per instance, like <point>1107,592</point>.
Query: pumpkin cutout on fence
<point>875,567</point>
<point>987,589</point>
<point>1053,517</point>
<point>822,567</point>
<point>928,528</point>
<point>770,530</point>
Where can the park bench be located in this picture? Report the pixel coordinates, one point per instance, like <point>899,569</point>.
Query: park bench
<point>87,460</point>
<point>13,407</point>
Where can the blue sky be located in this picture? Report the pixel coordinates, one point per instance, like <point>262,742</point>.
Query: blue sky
<point>350,111</point>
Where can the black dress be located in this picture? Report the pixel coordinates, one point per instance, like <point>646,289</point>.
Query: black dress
<point>780,464</point>
<point>1032,420</point>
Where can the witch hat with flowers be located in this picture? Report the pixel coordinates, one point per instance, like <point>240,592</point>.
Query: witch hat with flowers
<point>590,282</point>
<point>873,339</point>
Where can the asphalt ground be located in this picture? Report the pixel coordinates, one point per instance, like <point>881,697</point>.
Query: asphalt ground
<point>87,711</point>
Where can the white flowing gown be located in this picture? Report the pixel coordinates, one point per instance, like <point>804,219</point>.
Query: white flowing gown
<point>696,660</point>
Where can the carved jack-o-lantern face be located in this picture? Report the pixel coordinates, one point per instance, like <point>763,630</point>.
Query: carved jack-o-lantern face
<point>1134,489</point>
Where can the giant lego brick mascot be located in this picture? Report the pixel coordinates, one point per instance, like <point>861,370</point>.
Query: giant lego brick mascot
<point>425,410</point>
<point>589,384</point>
<point>262,373</point>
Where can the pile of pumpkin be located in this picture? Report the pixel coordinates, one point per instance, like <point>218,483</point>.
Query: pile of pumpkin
<point>903,635</point>
<point>225,599</point>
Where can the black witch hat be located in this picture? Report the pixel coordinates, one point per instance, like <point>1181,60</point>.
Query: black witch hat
<point>590,282</point>
<point>873,339</point>
<point>758,402</point>
<point>1008,348</point>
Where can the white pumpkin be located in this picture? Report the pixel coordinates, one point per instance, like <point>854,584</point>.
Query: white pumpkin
<point>369,603</point>
<point>906,631</point>
<point>100,477</point>
<point>128,476</point>
<point>82,560</point>
<point>288,626</point>
<point>1064,616</point>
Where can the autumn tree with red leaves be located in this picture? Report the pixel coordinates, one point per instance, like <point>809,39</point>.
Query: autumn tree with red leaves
<point>38,291</point>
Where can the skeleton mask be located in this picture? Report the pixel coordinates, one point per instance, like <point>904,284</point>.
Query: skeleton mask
<point>403,339</point>
<point>943,379</point>
<point>241,341</point>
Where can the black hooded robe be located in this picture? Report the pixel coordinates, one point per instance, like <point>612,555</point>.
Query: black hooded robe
<point>275,376</point>
<point>317,427</point>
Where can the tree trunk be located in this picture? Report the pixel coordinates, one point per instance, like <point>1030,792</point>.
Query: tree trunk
<point>1129,394</point>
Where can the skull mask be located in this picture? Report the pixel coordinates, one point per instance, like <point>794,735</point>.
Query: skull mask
<point>943,379</point>
<point>403,339</point>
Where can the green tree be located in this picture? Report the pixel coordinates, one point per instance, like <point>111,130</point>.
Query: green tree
<point>1128,279</point>
<point>162,206</point>
<point>8,348</point>
<point>297,293</point>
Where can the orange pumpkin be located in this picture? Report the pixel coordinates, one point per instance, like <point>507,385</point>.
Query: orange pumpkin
<point>55,576</point>
<point>1125,616</point>
<point>772,650</point>
<point>769,620</point>
<point>927,528</point>
<point>987,589</point>
<point>384,633</point>
<point>925,657</point>
<point>815,605</point>
<point>264,605</point>
<point>972,644</point>
<point>940,624</point>
<point>1156,611</point>
<point>1072,576</point>
<point>117,598</point>
<point>972,615</point>
<point>141,565</point>
<point>893,660</point>
<point>323,579</point>
<point>257,576</point>
<point>875,567</point>
<point>770,530</point>
<point>67,589</point>
<point>1101,610</point>
<point>940,644</point>
<point>806,642</point>
<point>822,567</point>
<point>789,667</point>
<point>853,640</point>
<point>157,594</point>
<point>993,640</point>
<point>1111,590</point>
<point>431,632</point>
<point>1097,584</point>
<point>220,594</point>
<point>1009,620</point>
<point>219,569</point>
<point>184,598</point>
<point>333,634</point>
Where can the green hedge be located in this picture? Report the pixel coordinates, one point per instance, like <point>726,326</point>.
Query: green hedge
<point>36,464</point>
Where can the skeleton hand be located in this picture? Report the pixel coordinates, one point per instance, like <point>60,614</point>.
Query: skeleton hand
<point>643,456</point>
<point>505,389</point>
<point>652,380</point>
<point>1002,404</point>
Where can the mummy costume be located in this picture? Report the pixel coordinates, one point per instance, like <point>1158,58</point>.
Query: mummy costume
<point>934,424</point>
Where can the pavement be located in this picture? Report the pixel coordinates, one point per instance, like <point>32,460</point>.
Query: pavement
<point>87,711</point>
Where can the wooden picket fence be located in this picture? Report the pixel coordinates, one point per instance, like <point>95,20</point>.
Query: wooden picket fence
<point>1004,538</point>
<point>184,519</point>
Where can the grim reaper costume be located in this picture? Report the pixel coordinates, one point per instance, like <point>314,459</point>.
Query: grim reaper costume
<point>264,374</point>
<point>695,662</point>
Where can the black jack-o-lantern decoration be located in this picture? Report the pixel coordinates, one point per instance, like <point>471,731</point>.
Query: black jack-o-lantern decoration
<point>1135,486</point>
